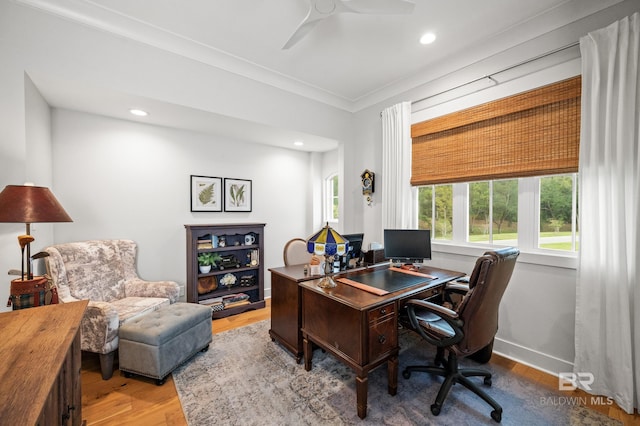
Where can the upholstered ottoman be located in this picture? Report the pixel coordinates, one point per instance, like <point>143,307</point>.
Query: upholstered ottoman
<point>153,345</point>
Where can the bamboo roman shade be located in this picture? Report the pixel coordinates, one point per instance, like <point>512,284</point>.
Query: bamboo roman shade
<point>529,134</point>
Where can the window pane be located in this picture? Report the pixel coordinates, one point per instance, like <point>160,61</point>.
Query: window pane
<point>505,212</point>
<point>334,202</point>
<point>556,213</point>
<point>444,213</point>
<point>425,206</point>
<point>479,214</point>
<point>331,205</point>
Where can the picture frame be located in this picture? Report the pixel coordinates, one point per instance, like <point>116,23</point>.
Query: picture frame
<point>237,195</point>
<point>206,194</point>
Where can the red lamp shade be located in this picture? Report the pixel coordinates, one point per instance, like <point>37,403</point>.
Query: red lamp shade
<point>30,204</point>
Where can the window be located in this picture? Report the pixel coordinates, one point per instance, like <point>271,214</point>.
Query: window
<point>493,212</point>
<point>331,200</point>
<point>558,213</point>
<point>499,212</point>
<point>496,158</point>
<point>440,196</point>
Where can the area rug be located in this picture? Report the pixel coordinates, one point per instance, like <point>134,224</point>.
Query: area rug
<point>247,379</point>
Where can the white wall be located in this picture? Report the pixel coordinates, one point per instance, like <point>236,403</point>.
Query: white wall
<point>122,179</point>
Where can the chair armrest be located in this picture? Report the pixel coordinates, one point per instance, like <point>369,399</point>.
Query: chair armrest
<point>140,288</point>
<point>439,310</point>
<point>99,328</point>
<point>446,314</point>
<point>456,288</point>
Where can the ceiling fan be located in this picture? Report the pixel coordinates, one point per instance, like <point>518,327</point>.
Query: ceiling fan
<point>321,9</point>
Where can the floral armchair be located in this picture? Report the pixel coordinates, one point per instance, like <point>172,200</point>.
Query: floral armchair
<point>104,272</point>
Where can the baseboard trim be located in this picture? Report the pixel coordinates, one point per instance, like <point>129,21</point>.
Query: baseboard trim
<point>531,358</point>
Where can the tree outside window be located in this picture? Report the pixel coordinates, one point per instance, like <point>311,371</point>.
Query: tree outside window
<point>440,196</point>
<point>493,212</point>
<point>558,213</point>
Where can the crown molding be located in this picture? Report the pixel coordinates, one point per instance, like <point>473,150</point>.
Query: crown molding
<point>98,17</point>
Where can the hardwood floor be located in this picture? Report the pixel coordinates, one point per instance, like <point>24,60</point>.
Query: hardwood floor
<point>137,401</point>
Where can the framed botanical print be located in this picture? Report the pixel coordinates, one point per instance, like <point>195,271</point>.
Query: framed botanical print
<point>237,195</point>
<point>206,194</point>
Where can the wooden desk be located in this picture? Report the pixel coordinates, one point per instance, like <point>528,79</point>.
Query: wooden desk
<point>286,304</point>
<point>40,368</point>
<point>361,328</point>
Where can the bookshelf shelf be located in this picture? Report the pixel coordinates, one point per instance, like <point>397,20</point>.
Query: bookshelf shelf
<point>236,283</point>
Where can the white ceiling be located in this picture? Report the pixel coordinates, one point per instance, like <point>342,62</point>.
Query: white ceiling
<point>348,60</point>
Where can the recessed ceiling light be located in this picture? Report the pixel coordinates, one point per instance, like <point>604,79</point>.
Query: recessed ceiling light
<point>298,143</point>
<point>138,112</point>
<point>427,38</point>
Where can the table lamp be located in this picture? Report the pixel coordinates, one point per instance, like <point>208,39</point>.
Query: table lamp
<point>327,243</point>
<point>29,204</point>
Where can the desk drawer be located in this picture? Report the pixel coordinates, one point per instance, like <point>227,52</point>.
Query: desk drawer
<point>379,314</point>
<point>383,337</point>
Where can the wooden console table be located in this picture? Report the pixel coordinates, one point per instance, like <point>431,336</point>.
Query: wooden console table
<point>360,328</point>
<point>40,368</point>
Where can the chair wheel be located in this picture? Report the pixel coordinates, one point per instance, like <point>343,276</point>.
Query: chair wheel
<point>487,381</point>
<point>160,382</point>
<point>406,374</point>
<point>435,410</point>
<point>496,415</point>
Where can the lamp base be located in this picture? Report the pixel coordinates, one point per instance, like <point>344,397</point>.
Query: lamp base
<point>327,282</point>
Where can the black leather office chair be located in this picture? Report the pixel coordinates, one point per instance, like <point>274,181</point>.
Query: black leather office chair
<point>467,330</point>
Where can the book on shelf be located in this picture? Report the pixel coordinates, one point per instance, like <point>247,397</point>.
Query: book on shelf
<point>210,301</point>
<point>238,303</point>
<point>204,244</point>
<point>234,298</point>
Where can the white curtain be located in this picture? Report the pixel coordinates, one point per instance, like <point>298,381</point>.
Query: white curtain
<point>607,339</point>
<point>397,200</point>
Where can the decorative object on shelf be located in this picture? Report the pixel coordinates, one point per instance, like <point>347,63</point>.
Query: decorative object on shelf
<point>208,260</point>
<point>222,241</point>
<point>253,258</point>
<point>249,239</point>
<point>228,280</point>
<point>368,185</point>
<point>29,204</point>
<point>206,194</point>
<point>238,195</point>
<point>327,243</point>
<point>228,261</point>
<point>247,280</point>
<point>207,284</point>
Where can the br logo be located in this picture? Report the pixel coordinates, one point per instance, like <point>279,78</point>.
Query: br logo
<point>571,381</point>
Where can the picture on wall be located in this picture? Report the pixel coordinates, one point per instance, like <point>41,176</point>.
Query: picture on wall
<point>237,195</point>
<point>206,194</point>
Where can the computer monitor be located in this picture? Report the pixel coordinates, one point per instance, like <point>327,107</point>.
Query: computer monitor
<point>407,245</point>
<point>355,245</point>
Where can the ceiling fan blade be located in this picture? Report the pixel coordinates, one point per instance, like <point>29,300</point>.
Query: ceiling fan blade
<point>311,20</point>
<point>381,7</point>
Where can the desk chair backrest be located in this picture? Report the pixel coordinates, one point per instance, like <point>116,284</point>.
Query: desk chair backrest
<point>479,307</point>
<point>295,252</point>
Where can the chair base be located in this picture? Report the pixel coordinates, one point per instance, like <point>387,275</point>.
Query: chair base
<point>453,375</point>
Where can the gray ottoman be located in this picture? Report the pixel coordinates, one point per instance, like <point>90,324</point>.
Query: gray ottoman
<point>153,345</point>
